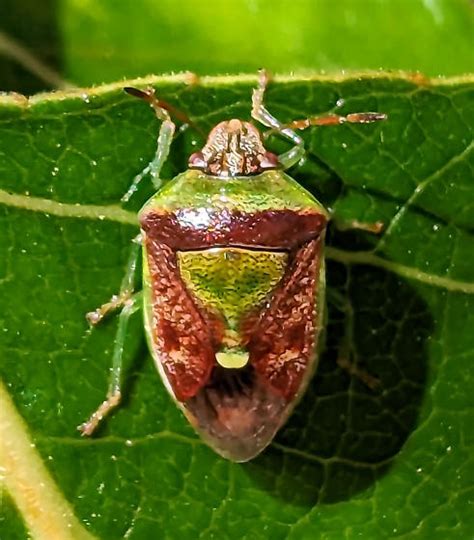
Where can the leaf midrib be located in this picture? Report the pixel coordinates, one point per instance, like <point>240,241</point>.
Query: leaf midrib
<point>190,79</point>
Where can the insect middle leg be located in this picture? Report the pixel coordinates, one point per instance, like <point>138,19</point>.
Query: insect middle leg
<point>132,304</point>
<point>126,288</point>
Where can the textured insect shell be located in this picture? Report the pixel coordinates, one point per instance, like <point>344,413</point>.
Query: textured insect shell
<point>198,212</point>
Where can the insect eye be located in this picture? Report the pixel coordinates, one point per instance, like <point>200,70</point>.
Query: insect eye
<point>269,161</point>
<point>197,161</point>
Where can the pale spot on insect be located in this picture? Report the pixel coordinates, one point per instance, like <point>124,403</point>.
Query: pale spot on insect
<point>293,356</point>
<point>198,217</point>
<point>177,356</point>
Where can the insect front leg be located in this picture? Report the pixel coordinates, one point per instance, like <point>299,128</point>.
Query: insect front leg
<point>132,304</point>
<point>165,138</point>
<point>290,158</point>
<point>126,288</point>
<point>262,115</point>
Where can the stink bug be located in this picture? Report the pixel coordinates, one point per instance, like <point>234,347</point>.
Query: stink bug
<point>233,280</point>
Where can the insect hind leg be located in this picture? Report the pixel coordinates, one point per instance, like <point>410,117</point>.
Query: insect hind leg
<point>114,392</point>
<point>346,355</point>
<point>130,303</point>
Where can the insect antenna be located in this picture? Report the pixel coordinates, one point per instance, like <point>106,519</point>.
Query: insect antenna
<point>336,119</point>
<point>163,109</point>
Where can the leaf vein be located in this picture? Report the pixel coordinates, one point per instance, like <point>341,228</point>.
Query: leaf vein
<point>118,214</point>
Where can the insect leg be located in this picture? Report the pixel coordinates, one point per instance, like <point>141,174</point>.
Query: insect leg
<point>126,288</point>
<point>114,393</point>
<point>354,224</point>
<point>165,138</point>
<point>346,355</point>
<point>262,115</point>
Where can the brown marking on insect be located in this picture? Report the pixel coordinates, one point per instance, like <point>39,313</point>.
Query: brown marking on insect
<point>215,323</point>
<point>281,344</point>
<point>234,148</point>
<point>183,336</point>
<point>202,228</point>
<point>236,412</point>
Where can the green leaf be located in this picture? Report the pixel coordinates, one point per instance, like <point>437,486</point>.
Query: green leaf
<point>221,36</point>
<point>90,42</point>
<point>351,462</point>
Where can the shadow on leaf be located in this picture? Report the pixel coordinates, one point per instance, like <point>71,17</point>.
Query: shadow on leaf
<point>343,435</point>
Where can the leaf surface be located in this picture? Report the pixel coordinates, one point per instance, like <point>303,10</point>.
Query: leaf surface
<point>351,462</point>
<point>219,36</point>
<point>91,42</point>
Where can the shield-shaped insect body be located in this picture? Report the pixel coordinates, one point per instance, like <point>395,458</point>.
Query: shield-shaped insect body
<point>233,296</point>
<point>233,281</point>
